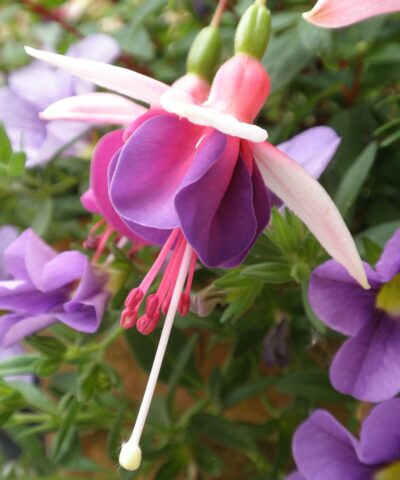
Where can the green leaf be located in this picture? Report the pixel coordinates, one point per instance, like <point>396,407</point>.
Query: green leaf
<point>372,250</point>
<point>246,391</point>
<point>144,348</point>
<point>23,364</point>
<point>269,272</point>
<point>286,56</point>
<point>16,166</point>
<point>209,462</point>
<point>311,385</point>
<point>49,346</point>
<point>43,216</point>
<point>223,432</point>
<point>180,363</point>
<point>354,179</point>
<point>114,434</point>
<point>34,396</point>
<point>314,320</point>
<point>65,432</point>
<point>5,145</point>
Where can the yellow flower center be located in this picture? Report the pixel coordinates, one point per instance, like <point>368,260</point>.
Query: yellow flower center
<point>392,472</point>
<point>388,298</point>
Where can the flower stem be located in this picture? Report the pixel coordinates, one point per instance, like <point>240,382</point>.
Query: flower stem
<point>218,13</point>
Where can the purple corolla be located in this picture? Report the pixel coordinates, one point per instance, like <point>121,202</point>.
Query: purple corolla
<point>45,287</point>
<point>32,89</point>
<point>324,450</point>
<point>367,366</point>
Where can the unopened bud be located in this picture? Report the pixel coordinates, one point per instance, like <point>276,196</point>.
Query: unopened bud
<point>253,31</point>
<point>204,53</point>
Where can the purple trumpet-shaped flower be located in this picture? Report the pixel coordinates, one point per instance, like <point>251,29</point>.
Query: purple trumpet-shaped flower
<point>324,450</point>
<point>7,235</point>
<point>33,88</point>
<point>367,366</point>
<point>46,287</point>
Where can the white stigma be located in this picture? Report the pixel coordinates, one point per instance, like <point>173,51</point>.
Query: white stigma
<point>131,455</point>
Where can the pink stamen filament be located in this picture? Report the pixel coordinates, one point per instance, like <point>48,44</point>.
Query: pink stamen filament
<point>102,244</point>
<point>159,302</point>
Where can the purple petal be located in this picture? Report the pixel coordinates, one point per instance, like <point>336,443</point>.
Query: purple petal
<point>62,270</point>
<point>14,328</point>
<point>295,476</point>
<point>91,283</point>
<point>215,203</point>
<point>28,83</point>
<point>313,149</point>
<point>99,47</point>
<point>24,128</point>
<point>150,168</point>
<point>368,365</point>
<point>26,257</point>
<point>323,449</point>
<point>18,296</point>
<point>85,310</point>
<point>338,299</point>
<point>85,316</point>
<point>379,438</point>
<point>7,235</point>
<point>58,135</point>
<point>105,150</point>
<point>88,200</point>
<point>389,263</point>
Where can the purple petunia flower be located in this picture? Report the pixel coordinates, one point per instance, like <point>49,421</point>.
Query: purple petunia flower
<point>48,287</point>
<point>33,88</point>
<point>324,450</point>
<point>367,366</point>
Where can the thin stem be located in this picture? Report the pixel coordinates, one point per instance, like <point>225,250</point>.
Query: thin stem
<point>218,13</point>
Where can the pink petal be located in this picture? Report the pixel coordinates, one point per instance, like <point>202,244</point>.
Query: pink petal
<point>94,108</point>
<point>121,80</point>
<point>305,196</point>
<point>339,13</point>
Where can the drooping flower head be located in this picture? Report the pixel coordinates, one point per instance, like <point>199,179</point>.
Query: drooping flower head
<point>32,89</point>
<point>367,366</point>
<point>197,180</point>
<point>45,287</point>
<point>324,449</point>
<point>339,13</point>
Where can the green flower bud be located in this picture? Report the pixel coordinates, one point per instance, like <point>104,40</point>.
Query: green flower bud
<point>253,31</point>
<point>204,54</point>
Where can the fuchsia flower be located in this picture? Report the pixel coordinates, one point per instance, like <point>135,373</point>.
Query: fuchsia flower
<point>339,13</point>
<point>197,179</point>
